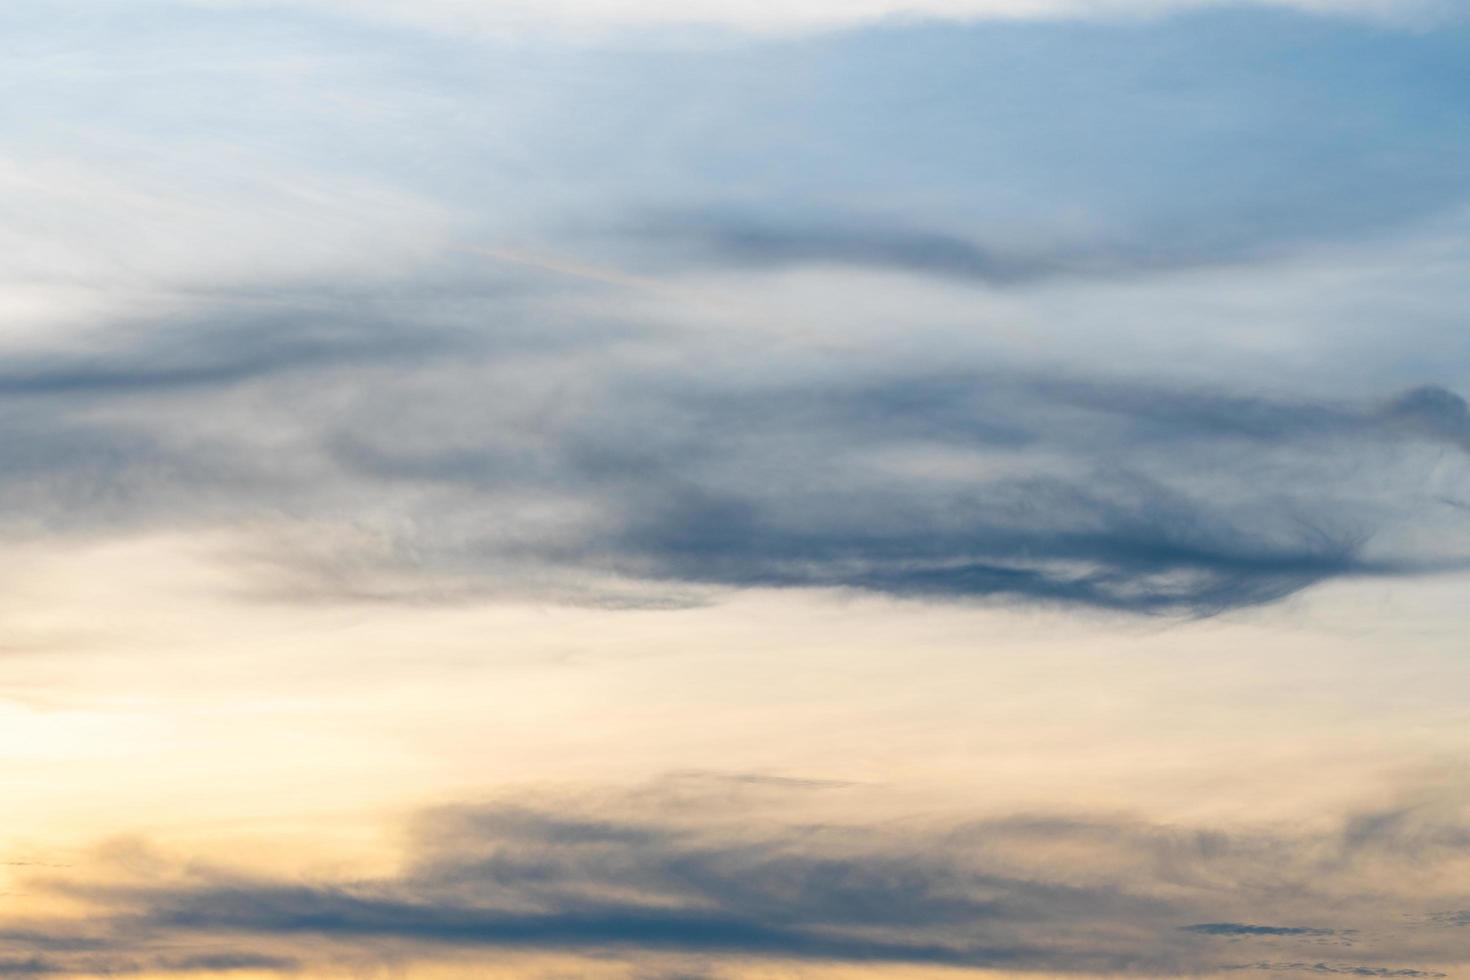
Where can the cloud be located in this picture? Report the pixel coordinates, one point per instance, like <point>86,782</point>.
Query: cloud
<point>947,147</point>
<point>726,880</point>
<point>1241,929</point>
<point>723,241</point>
<point>351,385</point>
<point>124,965</point>
<point>202,354</point>
<point>1456,918</point>
<point>1065,492</point>
<point>1433,411</point>
<point>479,457</point>
<point>1339,969</point>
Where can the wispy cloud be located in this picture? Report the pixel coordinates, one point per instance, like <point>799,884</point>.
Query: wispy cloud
<point>1242,929</point>
<point>1336,969</point>
<point>1114,308</point>
<point>1087,895</point>
<point>1002,484</point>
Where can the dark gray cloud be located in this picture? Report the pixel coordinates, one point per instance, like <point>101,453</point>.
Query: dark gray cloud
<point>29,967</point>
<point>199,355</point>
<point>631,877</point>
<point>789,486</point>
<point>1242,929</point>
<point>1435,412</point>
<point>502,451</point>
<point>725,240</point>
<point>1144,551</point>
<point>123,965</point>
<point>1335,969</point>
<point>1460,917</point>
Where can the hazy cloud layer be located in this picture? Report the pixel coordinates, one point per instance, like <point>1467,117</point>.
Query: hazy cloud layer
<point>730,874</point>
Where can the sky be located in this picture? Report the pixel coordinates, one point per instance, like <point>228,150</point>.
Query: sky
<point>837,489</point>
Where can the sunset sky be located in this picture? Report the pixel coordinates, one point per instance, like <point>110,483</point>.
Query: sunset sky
<point>734,489</point>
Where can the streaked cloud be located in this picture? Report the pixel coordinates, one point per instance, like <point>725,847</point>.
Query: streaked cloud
<point>993,484</point>
<point>1243,929</point>
<point>605,874</point>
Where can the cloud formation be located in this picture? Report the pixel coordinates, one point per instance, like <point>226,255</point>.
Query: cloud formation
<point>603,874</point>
<point>496,454</point>
<point>1242,929</point>
<point>722,241</point>
<point>1120,308</point>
